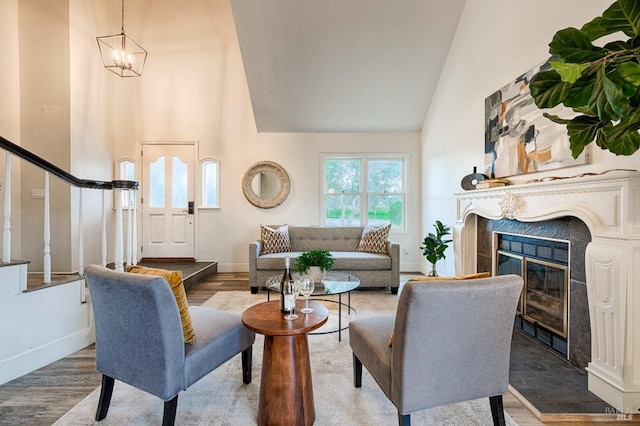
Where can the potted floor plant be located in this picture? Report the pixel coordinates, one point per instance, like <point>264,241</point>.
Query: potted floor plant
<point>434,245</point>
<point>314,263</point>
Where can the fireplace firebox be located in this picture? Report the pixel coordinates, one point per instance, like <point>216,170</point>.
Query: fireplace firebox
<point>542,310</point>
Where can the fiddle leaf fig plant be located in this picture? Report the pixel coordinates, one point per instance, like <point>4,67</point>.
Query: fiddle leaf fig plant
<point>600,84</point>
<point>434,246</point>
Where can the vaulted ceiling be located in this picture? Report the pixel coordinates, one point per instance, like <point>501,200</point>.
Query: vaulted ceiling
<point>343,65</point>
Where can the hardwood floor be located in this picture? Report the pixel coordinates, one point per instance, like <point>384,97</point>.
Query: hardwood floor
<point>41,397</point>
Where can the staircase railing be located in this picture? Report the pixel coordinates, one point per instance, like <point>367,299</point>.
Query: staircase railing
<point>49,168</point>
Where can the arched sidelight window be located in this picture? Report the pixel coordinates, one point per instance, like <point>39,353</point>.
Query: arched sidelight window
<point>126,170</point>
<point>210,169</point>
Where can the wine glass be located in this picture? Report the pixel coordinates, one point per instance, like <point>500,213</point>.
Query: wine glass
<point>290,293</point>
<point>306,288</point>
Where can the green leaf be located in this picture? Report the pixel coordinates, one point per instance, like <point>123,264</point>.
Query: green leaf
<point>556,119</point>
<point>618,101</point>
<point>623,15</point>
<point>580,93</point>
<point>548,89</point>
<point>618,46</point>
<point>623,138</point>
<point>582,131</point>
<point>574,46</point>
<point>607,100</point>
<point>569,73</point>
<point>627,76</point>
<point>631,11</point>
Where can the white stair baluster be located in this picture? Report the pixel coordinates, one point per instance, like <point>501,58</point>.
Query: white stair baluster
<point>6,232</point>
<point>118,249</point>
<point>129,226</point>
<point>80,235</point>
<point>103,252</point>
<point>47,232</point>
<point>134,236</point>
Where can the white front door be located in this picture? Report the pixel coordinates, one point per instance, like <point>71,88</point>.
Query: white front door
<point>167,200</point>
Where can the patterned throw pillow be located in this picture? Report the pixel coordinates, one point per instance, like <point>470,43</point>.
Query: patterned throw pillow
<point>275,240</point>
<point>374,239</point>
<point>174,278</point>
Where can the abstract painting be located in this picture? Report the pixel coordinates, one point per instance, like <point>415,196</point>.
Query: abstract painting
<point>518,138</point>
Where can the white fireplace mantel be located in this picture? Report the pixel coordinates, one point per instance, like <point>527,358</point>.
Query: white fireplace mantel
<point>609,204</point>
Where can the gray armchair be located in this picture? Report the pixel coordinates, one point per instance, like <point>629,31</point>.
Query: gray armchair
<point>451,343</point>
<point>139,338</point>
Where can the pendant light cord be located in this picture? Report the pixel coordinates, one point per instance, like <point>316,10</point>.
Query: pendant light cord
<point>122,16</point>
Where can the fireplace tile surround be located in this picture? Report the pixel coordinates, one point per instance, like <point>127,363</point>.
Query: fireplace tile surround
<point>569,229</point>
<point>600,216</point>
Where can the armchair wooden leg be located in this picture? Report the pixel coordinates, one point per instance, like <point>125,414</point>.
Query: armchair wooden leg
<point>254,290</point>
<point>357,372</point>
<point>497,410</point>
<point>169,415</point>
<point>106,390</point>
<point>404,419</point>
<point>247,356</point>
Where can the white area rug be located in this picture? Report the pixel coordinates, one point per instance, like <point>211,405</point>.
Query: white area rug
<point>222,399</point>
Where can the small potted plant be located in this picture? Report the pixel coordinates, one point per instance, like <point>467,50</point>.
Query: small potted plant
<point>314,263</point>
<point>433,246</point>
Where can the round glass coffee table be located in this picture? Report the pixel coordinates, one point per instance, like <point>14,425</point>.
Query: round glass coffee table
<point>334,283</point>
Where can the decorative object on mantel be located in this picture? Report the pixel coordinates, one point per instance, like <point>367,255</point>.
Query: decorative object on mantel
<point>550,178</point>
<point>469,182</point>
<point>120,54</point>
<point>510,205</point>
<point>433,247</point>
<point>518,138</point>
<point>600,84</point>
<point>314,263</point>
<point>492,183</point>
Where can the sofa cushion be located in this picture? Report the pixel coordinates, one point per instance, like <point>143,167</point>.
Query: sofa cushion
<point>174,278</point>
<point>275,261</point>
<point>344,261</point>
<point>332,238</point>
<point>354,261</point>
<point>275,240</point>
<point>374,239</point>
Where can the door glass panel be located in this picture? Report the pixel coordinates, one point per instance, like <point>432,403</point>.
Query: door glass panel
<point>156,188</point>
<point>179,190</point>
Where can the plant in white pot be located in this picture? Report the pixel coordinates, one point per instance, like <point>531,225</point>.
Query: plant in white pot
<point>314,263</point>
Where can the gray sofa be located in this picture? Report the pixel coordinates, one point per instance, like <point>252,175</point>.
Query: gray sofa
<point>373,270</point>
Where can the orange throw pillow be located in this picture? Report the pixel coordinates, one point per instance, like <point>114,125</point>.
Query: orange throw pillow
<point>174,278</point>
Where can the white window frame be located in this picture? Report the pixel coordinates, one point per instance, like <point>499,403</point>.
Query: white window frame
<point>203,186</point>
<point>364,194</point>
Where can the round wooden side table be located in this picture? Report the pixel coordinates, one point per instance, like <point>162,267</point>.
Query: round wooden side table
<point>286,391</point>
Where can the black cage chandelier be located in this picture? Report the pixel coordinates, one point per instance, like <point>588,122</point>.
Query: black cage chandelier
<point>120,54</point>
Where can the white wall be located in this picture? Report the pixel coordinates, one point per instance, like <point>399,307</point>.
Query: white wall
<point>193,89</point>
<point>43,30</point>
<point>92,121</point>
<point>495,43</point>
